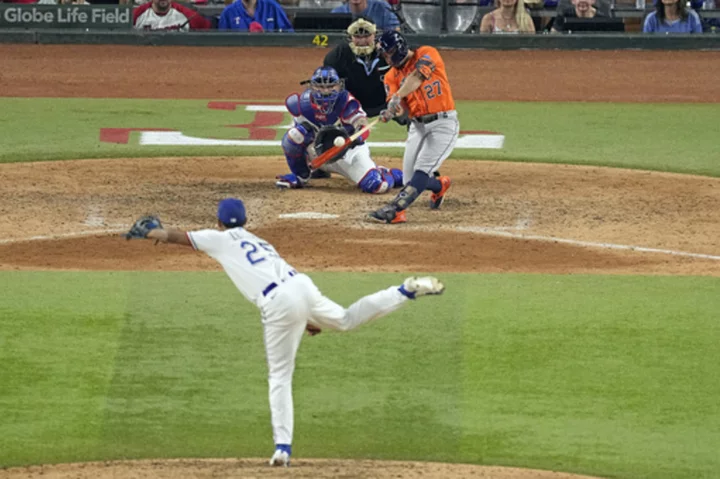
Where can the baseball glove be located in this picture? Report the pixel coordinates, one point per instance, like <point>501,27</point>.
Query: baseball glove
<point>325,138</point>
<point>142,227</point>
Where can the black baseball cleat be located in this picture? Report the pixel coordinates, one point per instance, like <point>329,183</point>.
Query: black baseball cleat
<point>388,214</point>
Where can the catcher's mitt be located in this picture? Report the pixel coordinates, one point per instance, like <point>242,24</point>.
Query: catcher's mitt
<point>142,227</point>
<point>325,138</point>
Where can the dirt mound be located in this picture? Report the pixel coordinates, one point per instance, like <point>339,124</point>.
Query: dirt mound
<point>498,217</point>
<point>301,468</point>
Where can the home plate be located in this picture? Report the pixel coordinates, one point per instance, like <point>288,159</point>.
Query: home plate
<point>308,215</point>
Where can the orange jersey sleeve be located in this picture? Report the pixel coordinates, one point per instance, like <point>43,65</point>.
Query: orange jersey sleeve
<point>434,94</point>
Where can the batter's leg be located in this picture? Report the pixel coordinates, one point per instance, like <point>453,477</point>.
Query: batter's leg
<point>440,140</point>
<point>415,140</point>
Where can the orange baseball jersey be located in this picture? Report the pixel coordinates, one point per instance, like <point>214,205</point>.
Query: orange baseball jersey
<point>434,94</point>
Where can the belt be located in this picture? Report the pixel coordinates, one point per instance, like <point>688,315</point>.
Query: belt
<point>274,285</point>
<point>425,119</point>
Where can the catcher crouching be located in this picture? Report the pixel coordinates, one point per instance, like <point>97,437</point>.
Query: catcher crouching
<point>321,113</point>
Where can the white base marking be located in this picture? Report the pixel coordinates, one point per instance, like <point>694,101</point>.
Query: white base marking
<point>177,138</point>
<point>307,215</point>
<point>280,108</point>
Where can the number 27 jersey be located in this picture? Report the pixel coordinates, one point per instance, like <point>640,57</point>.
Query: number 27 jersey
<point>434,94</point>
<point>251,262</point>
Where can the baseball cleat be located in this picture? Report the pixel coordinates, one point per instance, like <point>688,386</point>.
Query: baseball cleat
<point>280,458</point>
<point>436,199</point>
<point>388,214</point>
<point>414,286</point>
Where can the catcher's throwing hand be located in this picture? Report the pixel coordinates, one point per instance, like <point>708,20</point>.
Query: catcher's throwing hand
<point>142,227</point>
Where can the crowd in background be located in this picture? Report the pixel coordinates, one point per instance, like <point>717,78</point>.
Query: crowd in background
<point>508,16</point>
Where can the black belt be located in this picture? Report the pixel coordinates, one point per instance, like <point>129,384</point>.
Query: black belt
<point>272,286</point>
<point>425,119</point>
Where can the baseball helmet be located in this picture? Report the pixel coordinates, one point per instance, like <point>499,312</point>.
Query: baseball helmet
<point>362,27</point>
<point>393,44</point>
<point>231,213</point>
<point>326,86</point>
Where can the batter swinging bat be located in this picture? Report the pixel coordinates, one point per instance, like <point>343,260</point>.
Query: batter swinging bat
<point>332,152</point>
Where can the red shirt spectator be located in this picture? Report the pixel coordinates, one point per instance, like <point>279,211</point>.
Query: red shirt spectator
<point>168,15</point>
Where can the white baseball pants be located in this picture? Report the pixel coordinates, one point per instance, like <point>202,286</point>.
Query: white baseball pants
<point>285,312</point>
<point>354,165</point>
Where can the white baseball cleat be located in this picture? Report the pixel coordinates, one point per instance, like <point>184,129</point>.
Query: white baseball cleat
<point>415,286</point>
<point>280,458</point>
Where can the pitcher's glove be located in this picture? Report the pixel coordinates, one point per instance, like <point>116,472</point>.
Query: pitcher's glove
<point>142,227</point>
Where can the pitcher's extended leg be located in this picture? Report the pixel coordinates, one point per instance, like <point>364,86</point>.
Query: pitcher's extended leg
<point>328,314</point>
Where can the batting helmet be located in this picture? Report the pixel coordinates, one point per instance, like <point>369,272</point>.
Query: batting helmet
<point>394,46</point>
<point>326,86</point>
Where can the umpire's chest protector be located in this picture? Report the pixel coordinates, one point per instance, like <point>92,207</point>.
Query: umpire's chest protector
<point>363,75</point>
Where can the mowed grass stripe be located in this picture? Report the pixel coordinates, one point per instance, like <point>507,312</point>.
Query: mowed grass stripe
<point>665,137</point>
<point>604,375</point>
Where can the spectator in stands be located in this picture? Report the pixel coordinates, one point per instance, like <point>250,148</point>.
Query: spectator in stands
<point>255,16</point>
<point>167,15</point>
<point>672,16</point>
<point>578,9</point>
<point>378,11</point>
<point>709,24</point>
<point>510,16</point>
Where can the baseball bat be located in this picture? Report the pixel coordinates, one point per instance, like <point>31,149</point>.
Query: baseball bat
<point>331,152</point>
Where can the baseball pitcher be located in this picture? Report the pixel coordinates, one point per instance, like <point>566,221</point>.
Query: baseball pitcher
<point>322,113</point>
<point>419,84</point>
<point>288,300</point>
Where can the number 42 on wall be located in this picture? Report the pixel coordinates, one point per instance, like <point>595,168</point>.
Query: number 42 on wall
<point>320,41</point>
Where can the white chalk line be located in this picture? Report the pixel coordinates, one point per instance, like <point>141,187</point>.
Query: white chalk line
<point>500,231</point>
<point>462,229</point>
<point>76,234</point>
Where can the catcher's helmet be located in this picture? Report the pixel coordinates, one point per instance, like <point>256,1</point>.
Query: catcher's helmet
<point>326,86</point>
<point>394,45</point>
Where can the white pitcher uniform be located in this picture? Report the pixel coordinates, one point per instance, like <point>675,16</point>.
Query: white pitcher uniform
<point>287,300</point>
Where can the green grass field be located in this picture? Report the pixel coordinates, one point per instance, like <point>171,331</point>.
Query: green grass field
<point>601,375</point>
<point>614,376</point>
<point>667,137</point>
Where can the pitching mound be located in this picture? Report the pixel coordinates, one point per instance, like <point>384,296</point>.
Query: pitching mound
<point>499,217</point>
<point>307,468</point>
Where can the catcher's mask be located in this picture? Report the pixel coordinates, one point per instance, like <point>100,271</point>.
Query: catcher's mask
<point>359,30</point>
<point>231,213</point>
<point>393,46</point>
<point>326,86</point>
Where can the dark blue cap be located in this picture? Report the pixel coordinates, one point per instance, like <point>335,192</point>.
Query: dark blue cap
<point>231,212</point>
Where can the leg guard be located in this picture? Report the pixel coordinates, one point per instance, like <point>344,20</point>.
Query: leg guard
<point>296,153</point>
<point>377,181</point>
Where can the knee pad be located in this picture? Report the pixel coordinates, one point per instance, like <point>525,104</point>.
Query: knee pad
<point>395,174</point>
<point>397,177</point>
<point>376,181</point>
